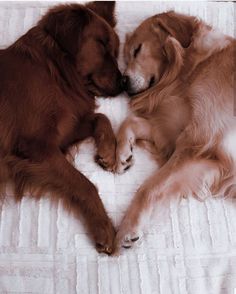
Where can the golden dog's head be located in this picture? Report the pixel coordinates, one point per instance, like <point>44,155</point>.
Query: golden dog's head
<point>150,49</point>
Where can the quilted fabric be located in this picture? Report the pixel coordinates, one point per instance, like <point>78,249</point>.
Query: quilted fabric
<point>191,247</point>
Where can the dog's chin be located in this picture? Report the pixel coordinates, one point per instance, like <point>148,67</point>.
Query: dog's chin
<point>134,92</point>
<point>97,91</point>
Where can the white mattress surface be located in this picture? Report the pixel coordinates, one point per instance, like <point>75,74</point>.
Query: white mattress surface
<point>190,249</point>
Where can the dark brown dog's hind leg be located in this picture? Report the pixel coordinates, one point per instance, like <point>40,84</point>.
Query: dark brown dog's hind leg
<point>56,174</point>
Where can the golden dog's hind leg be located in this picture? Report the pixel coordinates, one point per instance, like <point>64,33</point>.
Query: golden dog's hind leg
<point>176,179</point>
<point>132,129</point>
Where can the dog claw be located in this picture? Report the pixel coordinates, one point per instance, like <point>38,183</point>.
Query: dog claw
<point>126,246</point>
<point>127,167</point>
<point>102,163</point>
<point>125,159</point>
<point>108,250</point>
<point>130,239</point>
<point>135,239</point>
<point>129,159</point>
<point>103,249</point>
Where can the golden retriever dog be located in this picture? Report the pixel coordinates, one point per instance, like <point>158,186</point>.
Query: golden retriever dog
<point>181,76</point>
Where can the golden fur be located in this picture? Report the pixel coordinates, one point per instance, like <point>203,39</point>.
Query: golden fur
<point>187,115</point>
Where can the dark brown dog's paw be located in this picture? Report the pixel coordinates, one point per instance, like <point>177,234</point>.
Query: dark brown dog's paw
<point>101,248</point>
<point>104,163</point>
<point>104,239</point>
<point>106,155</point>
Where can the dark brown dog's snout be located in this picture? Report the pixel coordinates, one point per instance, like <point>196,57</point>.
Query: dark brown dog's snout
<point>118,83</point>
<point>125,82</point>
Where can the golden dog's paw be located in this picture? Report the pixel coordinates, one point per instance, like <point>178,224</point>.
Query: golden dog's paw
<point>127,237</point>
<point>131,239</point>
<point>124,157</point>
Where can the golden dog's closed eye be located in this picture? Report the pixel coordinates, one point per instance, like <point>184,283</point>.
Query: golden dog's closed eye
<point>103,43</point>
<point>137,50</point>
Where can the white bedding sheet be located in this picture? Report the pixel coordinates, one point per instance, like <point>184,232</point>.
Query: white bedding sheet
<point>191,248</point>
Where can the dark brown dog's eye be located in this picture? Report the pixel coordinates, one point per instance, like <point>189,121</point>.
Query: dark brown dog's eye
<point>89,78</point>
<point>136,51</point>
<point>102,43</point>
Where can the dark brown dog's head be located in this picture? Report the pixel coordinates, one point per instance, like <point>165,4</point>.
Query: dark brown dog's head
<point>86,35</point>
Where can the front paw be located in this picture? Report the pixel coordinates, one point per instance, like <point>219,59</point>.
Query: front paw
<point>104,237</point>
<point>127,237</point>
<point>106,155</point>
<point>124,157</point>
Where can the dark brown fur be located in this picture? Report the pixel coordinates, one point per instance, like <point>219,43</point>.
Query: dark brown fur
<point>48,80</point>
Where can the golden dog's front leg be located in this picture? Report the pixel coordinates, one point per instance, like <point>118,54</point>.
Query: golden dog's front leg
<point>136,219</point>
<point>132,129</point>
<point>176,179</point>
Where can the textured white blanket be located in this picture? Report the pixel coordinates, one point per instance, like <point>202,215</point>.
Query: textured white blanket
<point>191,248</point>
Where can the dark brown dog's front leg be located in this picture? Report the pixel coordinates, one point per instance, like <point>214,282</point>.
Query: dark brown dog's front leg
<point>98,126</point>
<point>105,141</point>
<point>55,174</point>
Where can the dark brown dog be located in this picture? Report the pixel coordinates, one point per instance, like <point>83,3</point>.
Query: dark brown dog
<point>48,80</point>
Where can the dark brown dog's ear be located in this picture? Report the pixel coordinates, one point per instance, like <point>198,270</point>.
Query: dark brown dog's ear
<point>179,26</point>
<point>105,9</point>
<point>65,24</point>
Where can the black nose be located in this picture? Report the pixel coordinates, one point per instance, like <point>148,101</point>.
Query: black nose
<point>124,82</point>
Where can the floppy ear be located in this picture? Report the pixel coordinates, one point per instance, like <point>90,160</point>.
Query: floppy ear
<point>179,26</point>
<point>174,53</point>
<point>105,9</point>
<point>148,101</point>
<point>127,36</point>
<point>65,24</point>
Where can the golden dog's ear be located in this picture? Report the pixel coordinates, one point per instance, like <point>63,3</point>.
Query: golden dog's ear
<point>172,49</point>
<point>127,36</point>
<point>179,26</point>
<point>148,100</point>
<point>174,52</point>
<point>105,9</point>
